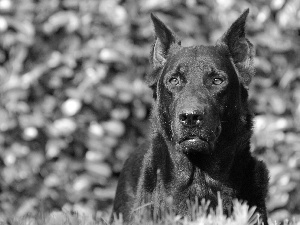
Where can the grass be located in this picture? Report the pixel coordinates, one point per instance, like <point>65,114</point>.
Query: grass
<point>200,214</point>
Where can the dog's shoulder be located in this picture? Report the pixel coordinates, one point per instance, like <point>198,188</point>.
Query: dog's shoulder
<point>260,178</point>
<point>133,165</point>
<point>256,188</point>
<point>255,181</point>
<point>128,181</point>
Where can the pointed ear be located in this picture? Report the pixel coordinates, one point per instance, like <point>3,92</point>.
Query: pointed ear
<point>240,48</point>
<point>165,40</point>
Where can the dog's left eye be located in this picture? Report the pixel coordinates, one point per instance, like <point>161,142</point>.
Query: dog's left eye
<point>174,81</point>
<point>218,81</point>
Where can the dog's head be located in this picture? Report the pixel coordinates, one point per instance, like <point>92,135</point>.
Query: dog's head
<point>201,91</point>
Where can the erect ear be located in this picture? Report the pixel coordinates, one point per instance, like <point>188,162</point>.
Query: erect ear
<point>165,40</point>
<point>240,48</point>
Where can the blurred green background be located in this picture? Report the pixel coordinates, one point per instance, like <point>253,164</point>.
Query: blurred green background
<point>73,103</point>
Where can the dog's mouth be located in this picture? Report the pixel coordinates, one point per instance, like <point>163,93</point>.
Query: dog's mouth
<point>192,139</point>
<point>194,144</point>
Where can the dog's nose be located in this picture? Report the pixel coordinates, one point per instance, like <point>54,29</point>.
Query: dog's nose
<point>190,119</point>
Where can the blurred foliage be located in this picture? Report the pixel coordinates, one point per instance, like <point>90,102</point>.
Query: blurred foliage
<point>74,105</point>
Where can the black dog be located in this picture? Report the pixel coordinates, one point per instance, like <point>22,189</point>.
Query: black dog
<point>201,128</point>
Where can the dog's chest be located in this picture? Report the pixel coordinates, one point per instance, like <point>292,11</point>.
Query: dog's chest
<point>201,186</point>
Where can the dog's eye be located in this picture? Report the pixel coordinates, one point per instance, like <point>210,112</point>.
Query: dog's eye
<point>174,81</point>
<point>217,81</point>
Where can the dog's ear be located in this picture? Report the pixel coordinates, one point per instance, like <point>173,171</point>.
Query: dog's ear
<point>240,48</point>
<point>164,42</point>
<point>164,39</point>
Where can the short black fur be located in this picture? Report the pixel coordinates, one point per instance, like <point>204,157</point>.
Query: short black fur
<point>201,128</point>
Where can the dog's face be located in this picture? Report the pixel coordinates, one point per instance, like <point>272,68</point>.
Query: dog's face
<point>199,89</point>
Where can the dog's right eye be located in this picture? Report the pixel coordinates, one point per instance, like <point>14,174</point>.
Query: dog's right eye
<point>217,81</point>
<point>174,81</point>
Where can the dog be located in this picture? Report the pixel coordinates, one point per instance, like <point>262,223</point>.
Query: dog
<point>201,128</point>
